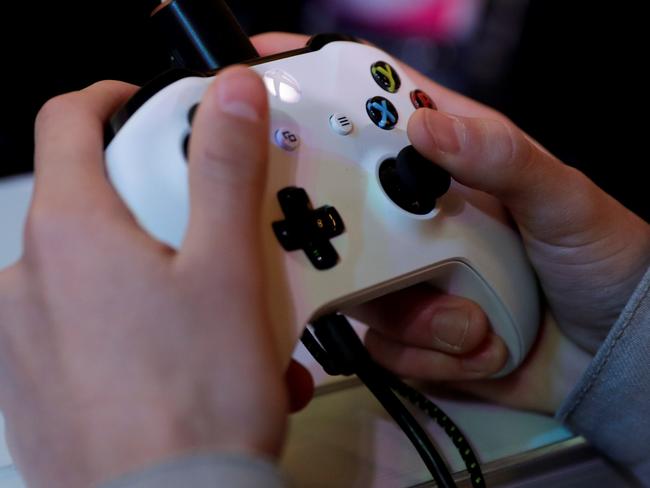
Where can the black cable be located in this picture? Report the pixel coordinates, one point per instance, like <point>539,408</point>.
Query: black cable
<point>201,35</point>
<point>413,430</point>
<point>342,352</point>
<point>443,420</point>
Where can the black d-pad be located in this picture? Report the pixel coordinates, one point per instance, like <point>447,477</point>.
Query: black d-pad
<point>308,229</point>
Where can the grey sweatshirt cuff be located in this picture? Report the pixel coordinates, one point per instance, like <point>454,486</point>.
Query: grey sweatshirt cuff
<point>610,406</point>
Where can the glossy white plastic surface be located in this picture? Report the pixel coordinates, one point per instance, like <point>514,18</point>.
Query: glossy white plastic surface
<point>465,247</point>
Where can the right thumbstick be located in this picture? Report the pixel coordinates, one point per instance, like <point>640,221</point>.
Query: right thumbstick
<point>413,182</point>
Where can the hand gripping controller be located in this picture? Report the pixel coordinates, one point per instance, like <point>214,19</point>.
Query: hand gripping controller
<point>351,211</point>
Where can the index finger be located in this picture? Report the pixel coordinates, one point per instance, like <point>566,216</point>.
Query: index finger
<point>271,43</point>
<point>69,146</point>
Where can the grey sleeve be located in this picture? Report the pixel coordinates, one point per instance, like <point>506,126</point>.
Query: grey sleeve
<point>610,406</point>
<point>205,471</point>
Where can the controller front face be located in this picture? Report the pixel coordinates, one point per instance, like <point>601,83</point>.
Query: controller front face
<point>338,230</point>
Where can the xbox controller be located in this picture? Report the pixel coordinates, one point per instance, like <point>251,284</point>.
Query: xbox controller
<point>351,211</point>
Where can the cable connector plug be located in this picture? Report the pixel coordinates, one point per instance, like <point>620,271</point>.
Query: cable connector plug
<point>339,349</point>
<point>202,35</point>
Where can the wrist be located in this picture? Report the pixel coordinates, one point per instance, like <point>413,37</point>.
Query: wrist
<point>568,367</point>
<point>103,443</point>
<point>558,366</point>
<point>158,437</point>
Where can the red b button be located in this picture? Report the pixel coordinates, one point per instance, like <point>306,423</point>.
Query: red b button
<point>422,100</point>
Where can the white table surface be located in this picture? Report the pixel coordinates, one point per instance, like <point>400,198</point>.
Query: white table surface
<point>344,436</point>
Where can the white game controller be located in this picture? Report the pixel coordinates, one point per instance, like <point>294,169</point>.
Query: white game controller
<point>351,211</point>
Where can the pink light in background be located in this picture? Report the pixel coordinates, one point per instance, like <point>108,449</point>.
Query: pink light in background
<point>436,19</point>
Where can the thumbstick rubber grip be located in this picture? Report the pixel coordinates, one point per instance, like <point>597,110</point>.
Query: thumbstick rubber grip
<point>423,179</point>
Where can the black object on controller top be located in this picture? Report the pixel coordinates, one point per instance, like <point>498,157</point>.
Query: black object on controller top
<point>202,35</point>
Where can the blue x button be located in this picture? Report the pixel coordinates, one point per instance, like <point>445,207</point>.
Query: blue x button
<point>382,112</point>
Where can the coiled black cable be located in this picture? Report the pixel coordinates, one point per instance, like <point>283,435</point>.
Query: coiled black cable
<point>340,352</point>
<point>443,420</point>
<point>413,430</point>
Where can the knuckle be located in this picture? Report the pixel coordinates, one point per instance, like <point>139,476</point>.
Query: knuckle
<point>501,144</point>
<point>280,38</point>
<point>507,150</point>
<point>53,108</point>
<point>518,153</point>
<point>500,355</point>
<point>229,160</point>
<point>487,360</point>
<point>109,85</point>
<point>42,226</point>
<point>270,35</point>
<point>512,164</point>
<point>216,164</point>
<point>403,365</point>
<point>51,229</point>
<point>479,323</point>
<point>399,358</point>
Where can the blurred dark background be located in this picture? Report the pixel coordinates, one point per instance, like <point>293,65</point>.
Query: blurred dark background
<point>564,71</point>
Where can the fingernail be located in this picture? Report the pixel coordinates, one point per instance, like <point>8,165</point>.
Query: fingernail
<point>234,95</point>
<point>450,326</point>
<point>446,131</point>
